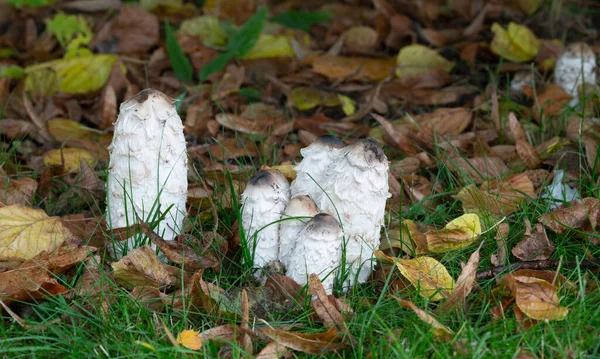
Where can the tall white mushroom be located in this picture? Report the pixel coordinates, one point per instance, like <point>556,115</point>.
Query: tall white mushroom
<point>148,166</point>
<point>576,65</point>
<point>317,251</point>
<point>357,188</point>
<point>300,206</point>
<point>263,202</point>
<point>316,160</point>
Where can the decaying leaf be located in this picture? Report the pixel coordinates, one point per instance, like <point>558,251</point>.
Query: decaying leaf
<point>18,191</point>
<point>439,330</point>
<point>25,232</point>
<point>150,297</point>
<point>69,158</point>
<point>359,68</point>
<point>318,343</point>
<point>331,317</point>
<point>142,267</point>
<point>538,299</point>
<point>458,233</point>
<point>464,285</point>
<point>417,59</point>
<point>498,198</point>
<point>499,258</point>
<point>426,274</point>
<point>535,245</point>
<point>35,278</point>
<point>581,214</point>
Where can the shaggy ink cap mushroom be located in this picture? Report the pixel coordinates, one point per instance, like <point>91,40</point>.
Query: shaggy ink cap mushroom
<point>263,202</point>
<point>576,65</point>
<point>148,165</point>
<point>317,251</point>
<point>291,225</point>
<point>366,153</point>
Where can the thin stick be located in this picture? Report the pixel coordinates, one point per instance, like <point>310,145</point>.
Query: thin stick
<point>544,264</point>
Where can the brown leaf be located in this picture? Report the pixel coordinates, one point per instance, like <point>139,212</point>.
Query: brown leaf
<point>398,139</point>
<point>18,191</point>
<point>538,299</point>
<point>200,296</point>
<point>331,317</point>
<point>549,102</point>
<point>136,30</point>
<point>516,128</point>
<point>316,344</point>
<point>337,68</point>
<point>15,129</point>
<point>109,108</point>
<point>258,126</point>
<point>149,297</point>
<point>439,330</point>
<point>224,333</point>
<point>528,154</point>
<point>273,350</point>
<point>232,148</point>
<point>499,258</point>
<point>463,286</point>
<point>582,214</point>
<point>478,169</point>
<point>246,340</point>
<point>534,246</point>
<point>35,278</point>
<point>141,267</point>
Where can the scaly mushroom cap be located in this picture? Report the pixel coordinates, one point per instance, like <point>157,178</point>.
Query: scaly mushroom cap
<point>148,165</point>
<point>263,202</point>
<point>576,65</point>
<point>357,188</point>
<point>317,251</point>
<point>316,160</point>
<point>300,206</point>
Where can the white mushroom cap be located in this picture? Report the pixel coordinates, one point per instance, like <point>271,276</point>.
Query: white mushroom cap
<point>263,202</point>
<point>148,165</point>
<point>300,206</point>
<point>317,251</point>
<point>576,65</point>
<point>357,188</point>
<point>317,158</point>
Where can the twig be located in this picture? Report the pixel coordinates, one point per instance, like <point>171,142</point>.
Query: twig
<point>544,264</point>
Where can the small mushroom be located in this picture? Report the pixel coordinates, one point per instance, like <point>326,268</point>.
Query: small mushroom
<point>292,224</point>
<point>317,158</point>
<point>263,202</point>
<point>357,189</point>
<point>148,167</point>
<point>317,251</point>
<point>576,65</point>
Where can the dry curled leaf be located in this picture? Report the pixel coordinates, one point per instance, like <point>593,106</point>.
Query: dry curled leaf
<point>331,317</point>
<point>534,246</point>
<point>142,267</point>
<point>464,285</point>
<point>316,344</point>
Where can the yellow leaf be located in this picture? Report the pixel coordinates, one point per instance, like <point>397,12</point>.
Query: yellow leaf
<point>538,299</point>
<point>517,43</point>
<point>417,59</point>
<point>527,6</point>
<point>287,170</point>
<point>62,130</point>
<point>190,339</point>
<point>207,28</point>
<point>141,267</point>
<point>306,98</point>
<point>75,75</point>
<point>459,233</point>
<point>269,46</point>
<point>347,105</point>
<point>72,158</point>
<point>25,232</point>
<point>428,275</point>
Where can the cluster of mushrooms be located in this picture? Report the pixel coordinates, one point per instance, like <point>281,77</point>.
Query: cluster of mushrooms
<point>328,221</point>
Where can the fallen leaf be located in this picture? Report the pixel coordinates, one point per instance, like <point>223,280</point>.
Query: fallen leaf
<point>538,299</point>
<point>499,258</point>
<point>149,297</point>
<point>517,43</point>
<point>534,246</point>
<point>74,75</point>
<point>459,233</point>
<point>18,191</point>
<point>259,126</point>
<point>426,274</point>
<point>332,318</point>
<point>581,214</point>
<point>190,339</point>
<point>137,36</point>
<point>25,232</point>
<point>464,285</point>
<point>269,46</point>
<point>207,28</point>
<point>416,59</point>
<point>141,267</point>
<point>338,68</point>
<point>439,330</point>
<point>69,158</point>
<point>306,98</point>
<point>273,350</point>
<point>549,102</point>
<point>316,344</point>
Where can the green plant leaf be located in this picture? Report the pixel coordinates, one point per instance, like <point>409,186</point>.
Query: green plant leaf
<point>179,61</point>
<point>246,37</point>
<point>11,72</point>
<point>29,3</point>
<point>301,20</point>
<point>67,28</point>
<point>215,65</point>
